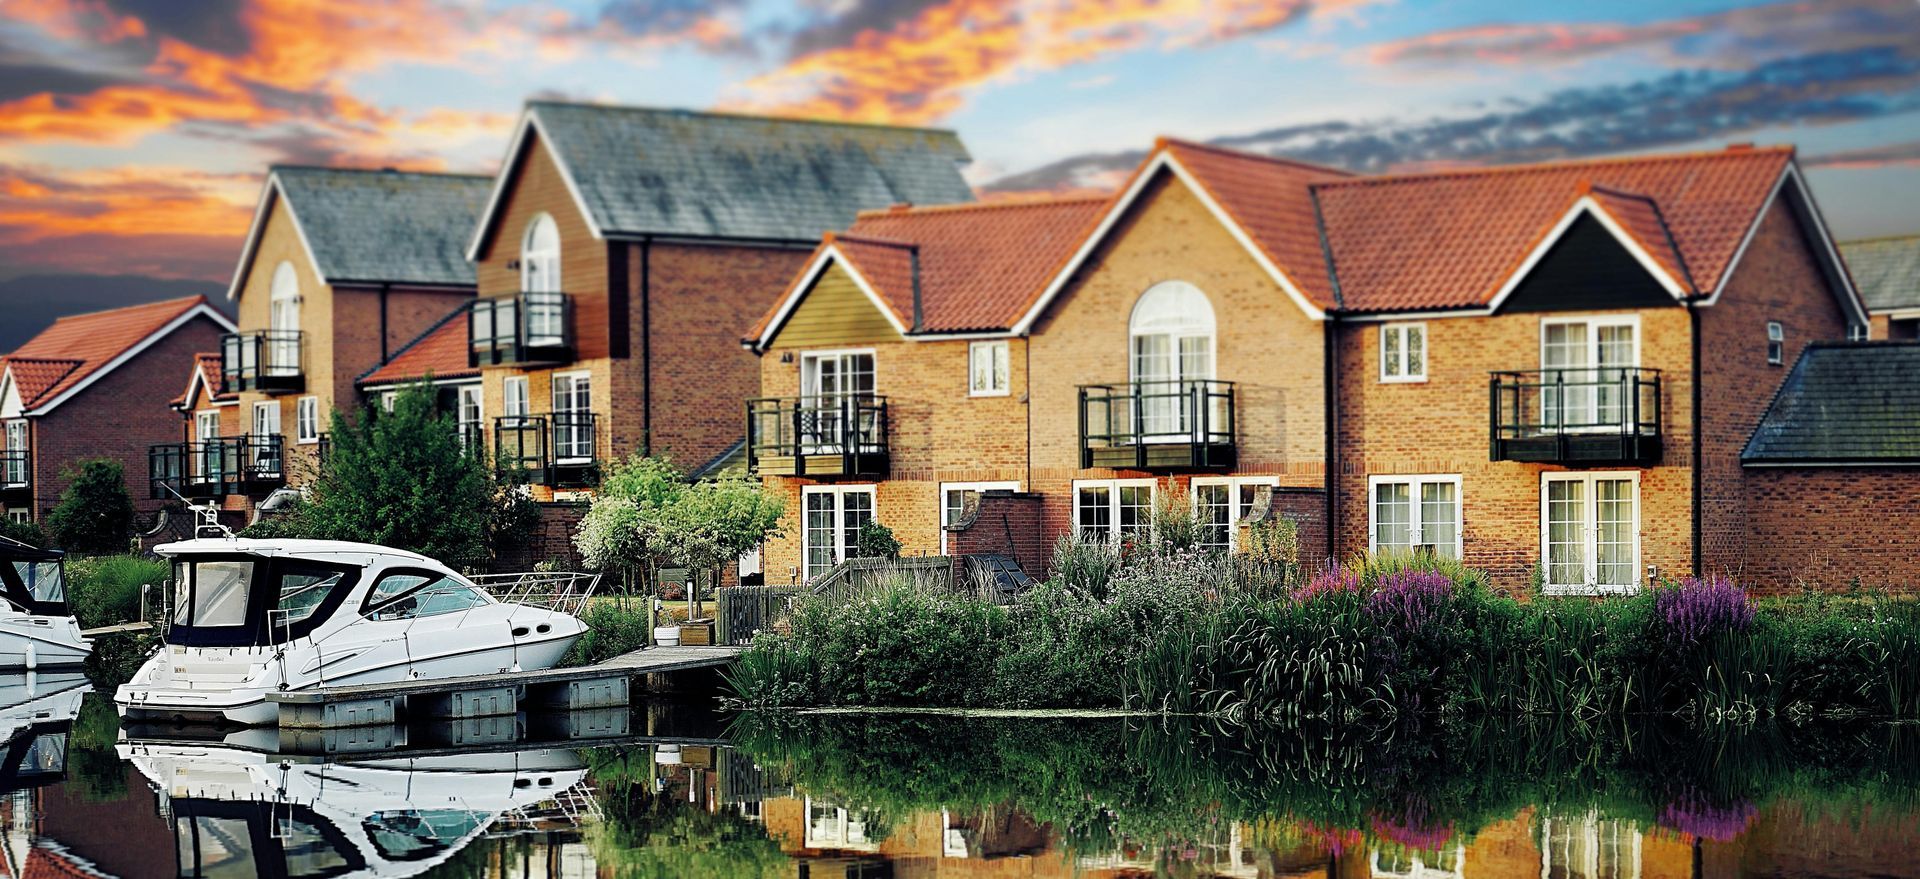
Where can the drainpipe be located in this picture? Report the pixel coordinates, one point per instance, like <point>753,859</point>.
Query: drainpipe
<point>646,346</point>
<point>1693,327</point>
<point>383,321</point>
<point>1331,393</point>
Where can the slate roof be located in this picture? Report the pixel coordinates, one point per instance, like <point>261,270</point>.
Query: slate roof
<point>77,346</point>
<point>440,352</point>
<point>1844,403</point>
<point>980,266</point>
<point>643,170</point>
<point>1886,271</point>
<point>397,227</point>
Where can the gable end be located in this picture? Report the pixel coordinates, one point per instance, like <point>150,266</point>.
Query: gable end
<point>1587,269</point>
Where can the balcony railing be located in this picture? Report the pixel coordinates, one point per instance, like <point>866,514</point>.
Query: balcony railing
<point>251,464</point>
<point>269,361</point>
<point>16,470</point>
<point>1159,425</point>
<point>1575,416</point>
<point>839,435</point>
<point>523,328</point>
<point>558,449</point>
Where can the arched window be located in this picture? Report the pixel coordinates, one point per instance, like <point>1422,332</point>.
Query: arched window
<point>540,257</point>
<point>283,322</point>
<point>1171,334</point>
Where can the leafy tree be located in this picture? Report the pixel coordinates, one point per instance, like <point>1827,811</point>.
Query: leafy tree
<point>400,479</point>
<point>95,514</point>
<point>646,516</point>
<point>876,541</point>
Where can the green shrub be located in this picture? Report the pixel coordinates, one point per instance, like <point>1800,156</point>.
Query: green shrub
<point>876,541</point>
<point>613,628</point>
<point>105,590</point>
<point>1084,566</point>
<point>95,513</point>
<point>29,532</point>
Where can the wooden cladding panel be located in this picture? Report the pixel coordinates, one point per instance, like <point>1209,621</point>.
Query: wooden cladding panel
<point>835,314</point>
<point>538,187</point>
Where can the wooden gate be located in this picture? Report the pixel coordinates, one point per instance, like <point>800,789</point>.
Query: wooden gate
<point>744,610</point>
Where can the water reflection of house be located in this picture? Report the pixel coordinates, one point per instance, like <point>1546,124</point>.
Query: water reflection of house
<point>1583,845</point>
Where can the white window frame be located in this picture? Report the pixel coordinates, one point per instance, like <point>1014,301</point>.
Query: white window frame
<point>387,399</point>
<point>1592,539</point>
<point>204,419</point>
<point>1405,329</point>
<point>1113,502</point>
<point>1593,323</point>
<point>553,408</point>
<point>1585,830</point>
<point>1000,355</point>
<point>945,487</point>
<point>461,395</point>
<point>10,430</point>
<point>1414,482</point>
<point>1233,484</point>
<point>1859,332</point>
<point>273,420</point>
<point>306,421</point>
<point>525,408</point>
<point>545,261</point>
<point>20,515</point>
<point>1776,343</point>
<point>840,547</point>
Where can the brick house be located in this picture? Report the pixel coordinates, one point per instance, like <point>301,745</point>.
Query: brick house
<point>1887,273</point>
<point>84,388</point>
<point>341,268</point>
<point>623,252</point>
<point>1497,364</point>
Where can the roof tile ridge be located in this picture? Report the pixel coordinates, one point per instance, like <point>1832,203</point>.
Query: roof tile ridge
<point>727,114</point>
<point>371,172</point>
<point>962,207</point>
<point>1257,157</point>
<point>1902,236</point>
<point>1558,165</point>
<point>876,241</point>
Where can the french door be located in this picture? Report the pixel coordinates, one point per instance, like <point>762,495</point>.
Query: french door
<point>1590,530</point>
<point>263,452</point>
<point>833,384</point>
<point>16,465</point>
<point>832,521</point>
<point>572,417</point>
<point>1586,366</point>
<point>1164,367</point>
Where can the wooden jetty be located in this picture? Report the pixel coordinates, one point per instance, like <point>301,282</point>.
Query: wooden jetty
<point>603,685</point>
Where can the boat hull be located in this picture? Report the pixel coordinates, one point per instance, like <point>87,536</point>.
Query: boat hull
<point>31,641</point>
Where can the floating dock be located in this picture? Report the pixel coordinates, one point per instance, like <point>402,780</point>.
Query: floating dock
<point>582,688</point>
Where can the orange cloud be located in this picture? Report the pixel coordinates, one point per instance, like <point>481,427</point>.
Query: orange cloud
<point>920,70</point>
<point>169,222</point>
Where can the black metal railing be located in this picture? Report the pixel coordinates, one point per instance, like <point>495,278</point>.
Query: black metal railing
<point>16,470</point>
<point>521,328</point>
<point>270,361</point>
<point>214,468</point>
<point>472,436</point>
<point>837,435</point>
<point>559,448</point>
<point>1605,415</point>
<point>1158,425</point>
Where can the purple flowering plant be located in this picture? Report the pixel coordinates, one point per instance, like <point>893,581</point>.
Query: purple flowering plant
<point>1695,610</point>
<point>1331,580</point>
<point>1407,601</point>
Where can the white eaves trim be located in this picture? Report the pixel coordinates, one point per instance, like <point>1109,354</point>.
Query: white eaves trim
<point>529,121</point>
<point>826,256</point>
<point>1163,160</point>
<point>435,382</point>
<point>1809,214</point>
<point>1587,205</point>
<point>268,194</point>
<point>201,310</point>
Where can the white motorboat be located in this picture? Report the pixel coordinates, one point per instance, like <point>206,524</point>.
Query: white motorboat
<point>243,813</point>
<point>36,711</point>
<point>249,617</point>
<point>36,628</point>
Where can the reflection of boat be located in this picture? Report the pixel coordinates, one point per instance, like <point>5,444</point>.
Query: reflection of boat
<point>251,617</point>
<point>243,813</point>
<point>36,710</point>
<point>36,628</point>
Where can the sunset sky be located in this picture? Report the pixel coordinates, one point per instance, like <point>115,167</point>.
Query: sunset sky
<point>134,133</point>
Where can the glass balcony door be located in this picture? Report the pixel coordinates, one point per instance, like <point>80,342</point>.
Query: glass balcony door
<point>832,386</point>
<point>572,417</point>
<point>15,465</point>
<point>1587,369</point>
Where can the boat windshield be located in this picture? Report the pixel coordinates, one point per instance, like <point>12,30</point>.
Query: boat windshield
<point>45,581</point>
<point>230,602</point>
<point>259,841</point>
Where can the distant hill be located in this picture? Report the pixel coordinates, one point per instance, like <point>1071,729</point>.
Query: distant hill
<point>31,302</point>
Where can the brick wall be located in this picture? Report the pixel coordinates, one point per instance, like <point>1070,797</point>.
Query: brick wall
<point>1004,523</point>
<point>1829,528</point>
<point>552,538</point>
<point>118,417</point>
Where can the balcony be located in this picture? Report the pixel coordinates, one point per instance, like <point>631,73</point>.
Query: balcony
<point>520,330</point>
<point>241,465</point>
<point>557,450</point>
<point>268,361</point>
<point>818,436</point>
<point>16,474</point>
<point>1171,425</point>
<point>1576,417</point>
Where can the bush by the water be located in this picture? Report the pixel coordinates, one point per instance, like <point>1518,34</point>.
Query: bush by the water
<point>105,590</point>
<point>1191,632</point>
<point>613,628</point>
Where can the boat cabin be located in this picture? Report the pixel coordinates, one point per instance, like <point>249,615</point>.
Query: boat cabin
<point>33,580</point>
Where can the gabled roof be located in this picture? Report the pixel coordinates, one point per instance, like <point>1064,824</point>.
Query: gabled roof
<point>974,268</point>
<point>1887,271</point>
<point>440,353</point>
<point>649,171</point>
<point>1844,403</point>
<point>374,227</point>
<point>1455,239</point>
<point>206,374</point>
<point>78,349</point>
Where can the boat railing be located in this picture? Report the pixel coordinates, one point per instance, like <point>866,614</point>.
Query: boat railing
<point>566,592</point>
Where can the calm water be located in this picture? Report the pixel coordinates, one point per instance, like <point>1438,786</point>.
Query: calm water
<point>691,792</point>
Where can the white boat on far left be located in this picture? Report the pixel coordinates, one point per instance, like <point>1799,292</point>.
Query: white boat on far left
<point>37,630</point>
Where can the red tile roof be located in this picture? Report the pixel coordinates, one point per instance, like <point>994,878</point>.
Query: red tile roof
<point>440,352</point>
<point>76,347</point>
<point>1451,239</point>
<point>981,266</point>
<point>206,367</point>
<point>1272,201</point>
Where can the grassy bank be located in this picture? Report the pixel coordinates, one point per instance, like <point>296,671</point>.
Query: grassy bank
<point>1188,633</point>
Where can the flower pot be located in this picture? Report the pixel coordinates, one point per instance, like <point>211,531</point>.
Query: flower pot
<point>666,636</point>
<point>667,755</point>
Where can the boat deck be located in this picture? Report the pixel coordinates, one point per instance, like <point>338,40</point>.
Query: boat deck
<point>601,685</point>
